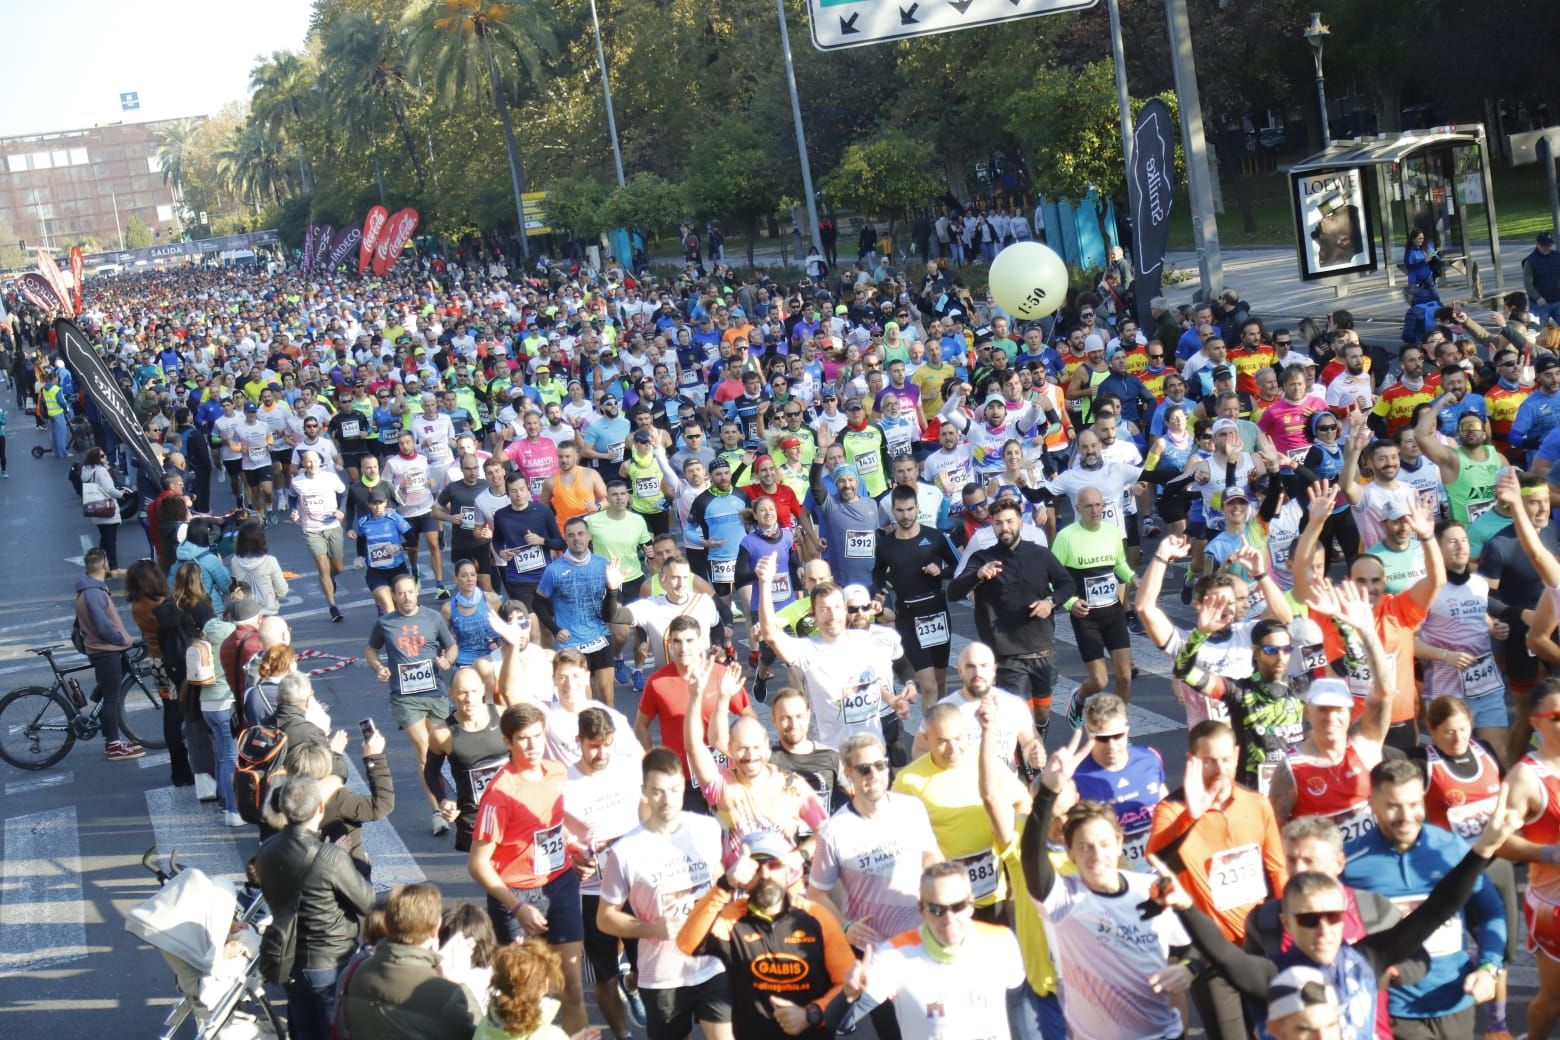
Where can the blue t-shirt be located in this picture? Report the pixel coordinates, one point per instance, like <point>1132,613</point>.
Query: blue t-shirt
<point>1453,412</point>
<point>609,436</point>
<point>381,540</point>
<point>1132,791</point>
<point>576,591</point>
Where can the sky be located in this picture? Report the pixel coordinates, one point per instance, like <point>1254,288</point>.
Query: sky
<point>67,62</point>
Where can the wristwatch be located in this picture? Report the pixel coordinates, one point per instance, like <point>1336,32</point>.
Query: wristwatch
<point>814,1015</point>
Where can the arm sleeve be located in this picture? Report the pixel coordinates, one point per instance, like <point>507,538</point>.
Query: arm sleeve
<point>1039,875</point>
<point>433,774</point>
<point>1249,973</point>
<point>696,928</point>
<point>1386,948</point>
<point>379,802</point>
<point>1487,914</point>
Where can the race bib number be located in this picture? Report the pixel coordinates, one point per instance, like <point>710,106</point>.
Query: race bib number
<point>1112,515</point>
<point>1313,656</point>
<point>678,906</point>
<point>1479,507</point>
<point>416,481</point>
<point>867,462</point>
<point>1280,554</point>
<point>1354,823</point>
<point>468,518</point>
<point>647,487</point>
<point>860,545</point>
<point>1445,940</point>
<point>724,571</point>
<point>383,554</point>
<point>482,774</point>
<point>982,870</point>
<point>599,643</point>
<point>416,677</point>
<point>615,452</point>
<point>1134,851</point>
<point>932,631</point>
<point>1100,590</point>
<point>1481,677</point>
<point>1361,678</point>
<point>860,705</point>
<point>528,558</point>
<point>1297,455</point>
<point>548,852</point>
<point>257,453</point>
<point>1467,821</point>
<point>1235,877</point>
<point>351,428</point>
<point>780,586</point>
<point>536,486</point>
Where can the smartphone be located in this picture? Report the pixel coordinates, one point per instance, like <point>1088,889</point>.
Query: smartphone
<point>366,727</point>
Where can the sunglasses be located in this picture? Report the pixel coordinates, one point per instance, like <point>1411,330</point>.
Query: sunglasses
<point>1506,364</point>
<point>1107,738</point>
<point>866,769</point>
<point>1552,716</point>
<point>1086,315</point>
<point>1274,649</point>
<point>944,909</point>
<point>864,609</point>
<point>793,415</point>
<point>1327,428</point>
<point>1314,918</point>
<point>1156,357</point>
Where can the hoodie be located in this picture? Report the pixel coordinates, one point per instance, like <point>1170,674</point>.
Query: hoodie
<point>101,629</point>
<point>214,576</point>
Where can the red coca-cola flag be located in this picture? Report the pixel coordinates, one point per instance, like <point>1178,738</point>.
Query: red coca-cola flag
<point>373,227</point>
<point>398,231</point>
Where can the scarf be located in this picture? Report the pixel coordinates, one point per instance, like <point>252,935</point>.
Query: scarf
<point>936,950</point>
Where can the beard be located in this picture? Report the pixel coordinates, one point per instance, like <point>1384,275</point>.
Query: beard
<point>767,896</point>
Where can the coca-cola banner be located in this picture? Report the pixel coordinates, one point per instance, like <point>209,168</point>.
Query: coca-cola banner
<point>309,235</point>
<point>373,227</point>
<point>76,271</point>
<point>323,236</point>
<point>342,245</point>
<point>36,288</point>
<point>398,231</point>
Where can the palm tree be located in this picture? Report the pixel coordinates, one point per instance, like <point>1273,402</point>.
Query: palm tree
<point>461,43</point>
<point>173,143</point>
<point>250,165</point>
<point>365,62</point>
<point>284,90</point>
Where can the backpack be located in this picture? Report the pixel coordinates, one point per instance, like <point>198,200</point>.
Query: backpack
<point>74,476</point>
<point>260,753</point>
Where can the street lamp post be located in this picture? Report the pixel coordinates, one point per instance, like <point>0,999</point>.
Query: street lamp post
<point>606,91</point>
<point>801,135</point>
<point>1316,35</point>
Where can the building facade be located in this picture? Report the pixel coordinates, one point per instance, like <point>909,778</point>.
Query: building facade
<point>57,189</point>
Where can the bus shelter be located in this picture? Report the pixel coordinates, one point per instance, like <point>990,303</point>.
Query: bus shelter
<point>1355,202</point>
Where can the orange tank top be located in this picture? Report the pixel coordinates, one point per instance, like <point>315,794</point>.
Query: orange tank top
<point>1545,830</point>
<point>571,500</point>
<point>1339,792</point>
<point>1458,805</point>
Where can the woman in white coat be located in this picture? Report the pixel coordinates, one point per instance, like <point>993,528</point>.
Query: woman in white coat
<point>253,564</point>
<point>98,485</point>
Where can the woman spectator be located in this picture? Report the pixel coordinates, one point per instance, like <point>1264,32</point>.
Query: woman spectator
<point>196,549</point>
<point>466,948</point>
<point>146,590</point>
<point>216,708</point>
<point>525,975</point>
<point>252,562</point>
<point>1420,259</point>
<point>260,697</point>
<point>173,520</point>
<point>345,810</point>
<point>96,472</point>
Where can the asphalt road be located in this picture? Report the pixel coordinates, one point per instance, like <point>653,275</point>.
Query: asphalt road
<point>74,835</point>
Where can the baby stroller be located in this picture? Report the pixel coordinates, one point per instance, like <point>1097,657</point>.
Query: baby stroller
<point>210,936</point>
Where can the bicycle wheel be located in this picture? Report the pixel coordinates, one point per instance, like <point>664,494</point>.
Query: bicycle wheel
<point>35,727</point>
<point>140,711</point>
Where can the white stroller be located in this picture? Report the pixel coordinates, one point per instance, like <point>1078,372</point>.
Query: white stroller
<point>210,936</point>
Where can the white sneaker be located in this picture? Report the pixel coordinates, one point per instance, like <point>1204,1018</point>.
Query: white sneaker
<point>232,819</point>
<point>205,787</point>
<point>440,824</point>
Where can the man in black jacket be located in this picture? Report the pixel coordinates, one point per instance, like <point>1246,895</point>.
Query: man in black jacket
<point>1017,586</point>
<point>296,869</point>
<point>398,993</point>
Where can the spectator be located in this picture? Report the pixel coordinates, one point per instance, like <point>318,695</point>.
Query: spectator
<point>105,641</point>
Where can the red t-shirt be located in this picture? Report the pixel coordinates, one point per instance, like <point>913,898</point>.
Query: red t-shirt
<point>665,700</point>
<point>524,821</point>
<point>788,509</point>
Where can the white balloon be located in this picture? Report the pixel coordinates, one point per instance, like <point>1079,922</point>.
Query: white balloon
<point>1029,280</point>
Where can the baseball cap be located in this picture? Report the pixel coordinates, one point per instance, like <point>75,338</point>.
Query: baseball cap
<point>841,309</point>
<point>1223,372</point>
<point>1395,509</point>
<point>1225,426</point>
<point>1295,989</point>
<point>830,393</point>
<point>789,442</point>
<point>379,494</point>
<point>1329,693</point>
<point>642,436</point>
<point>1296,357</point>
<point>250,406</point>
<point>719,462</point>
<point>1545,363</point>
<point>763,845</point>
<point>854,402</point>
<point>1235,494</point>
<point>1545,238</point>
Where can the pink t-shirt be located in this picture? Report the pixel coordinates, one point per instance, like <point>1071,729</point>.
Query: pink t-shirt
<point>537,460</point>
<point>1285,421</point>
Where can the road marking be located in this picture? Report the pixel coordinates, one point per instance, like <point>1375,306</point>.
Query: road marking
<point>392,860</point>
<point>86,546</point>
<point>196,831</point>
<point>151,760</point>
<point>43,907</point>
<point>38,783</point>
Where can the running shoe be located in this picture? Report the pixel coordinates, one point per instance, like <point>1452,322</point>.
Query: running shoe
<point>1151,529</point>
<point>620,672</point>
<point>639,680</point>
<point>5,473</point>
<point>123,751</point>
<point>1186,589</point>
<point>442,594</point>
<point>1075,711</point>
<point>335,613</point>
<point>440,824</point>
<point>633,1003</point>
<point>1134,623</point>
<point>232,819</point>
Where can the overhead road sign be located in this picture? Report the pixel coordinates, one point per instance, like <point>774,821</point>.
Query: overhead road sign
<point>837,24</point>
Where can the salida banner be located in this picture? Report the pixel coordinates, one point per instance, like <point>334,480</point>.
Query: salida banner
<point>93,376</point>
<point>1150,185</point>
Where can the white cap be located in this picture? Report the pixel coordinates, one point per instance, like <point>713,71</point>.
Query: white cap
<point>1295,357</point>
<point>1295,989</point>
<point>1329,693</point>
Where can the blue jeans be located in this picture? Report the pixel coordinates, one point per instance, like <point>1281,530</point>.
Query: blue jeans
<point>1034,1017</point>
<point>60,436</point>
<point>311,1002</point>
<point>225,749</point>
<point>1547,312</point>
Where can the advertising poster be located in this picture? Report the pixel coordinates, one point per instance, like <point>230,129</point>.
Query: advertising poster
<point>1334,223</point>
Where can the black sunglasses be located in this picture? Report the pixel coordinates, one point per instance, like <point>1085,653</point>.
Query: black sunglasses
<point>866,769</point>
<point>944,909</point>
<point>1312,918</point>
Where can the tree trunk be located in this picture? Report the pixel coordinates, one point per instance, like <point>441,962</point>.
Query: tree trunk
<point>516,171</point>
<point>752,230</point>
<point>411,145</point>
<point>1230,170</point>
<point>1389,107</point>
<point>958,184</point>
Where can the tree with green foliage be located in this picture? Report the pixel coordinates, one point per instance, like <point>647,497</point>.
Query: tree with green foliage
<point>366,80</point>
<point>885,175</point>
<point>575,205</point>
<point>648,201</point>
<point>137,234</point>
<point>733,174</point>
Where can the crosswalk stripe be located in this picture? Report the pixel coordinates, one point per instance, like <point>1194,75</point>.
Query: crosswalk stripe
<point>38,783</point>
<point>43,906</point>
<point>392,860</point>
<point>195,830</point>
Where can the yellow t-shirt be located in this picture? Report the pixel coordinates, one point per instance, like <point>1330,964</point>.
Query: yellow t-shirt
<point>952,800</point>
<point>930,382</point>
<point>1028,922</point>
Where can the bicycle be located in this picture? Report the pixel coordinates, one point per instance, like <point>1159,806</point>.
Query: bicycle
<point>40,724</point>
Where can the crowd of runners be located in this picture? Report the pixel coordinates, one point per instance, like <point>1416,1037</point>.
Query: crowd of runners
<point>544,497</point>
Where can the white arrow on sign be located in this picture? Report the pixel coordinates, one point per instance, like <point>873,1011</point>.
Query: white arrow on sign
<point>853,23</point>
